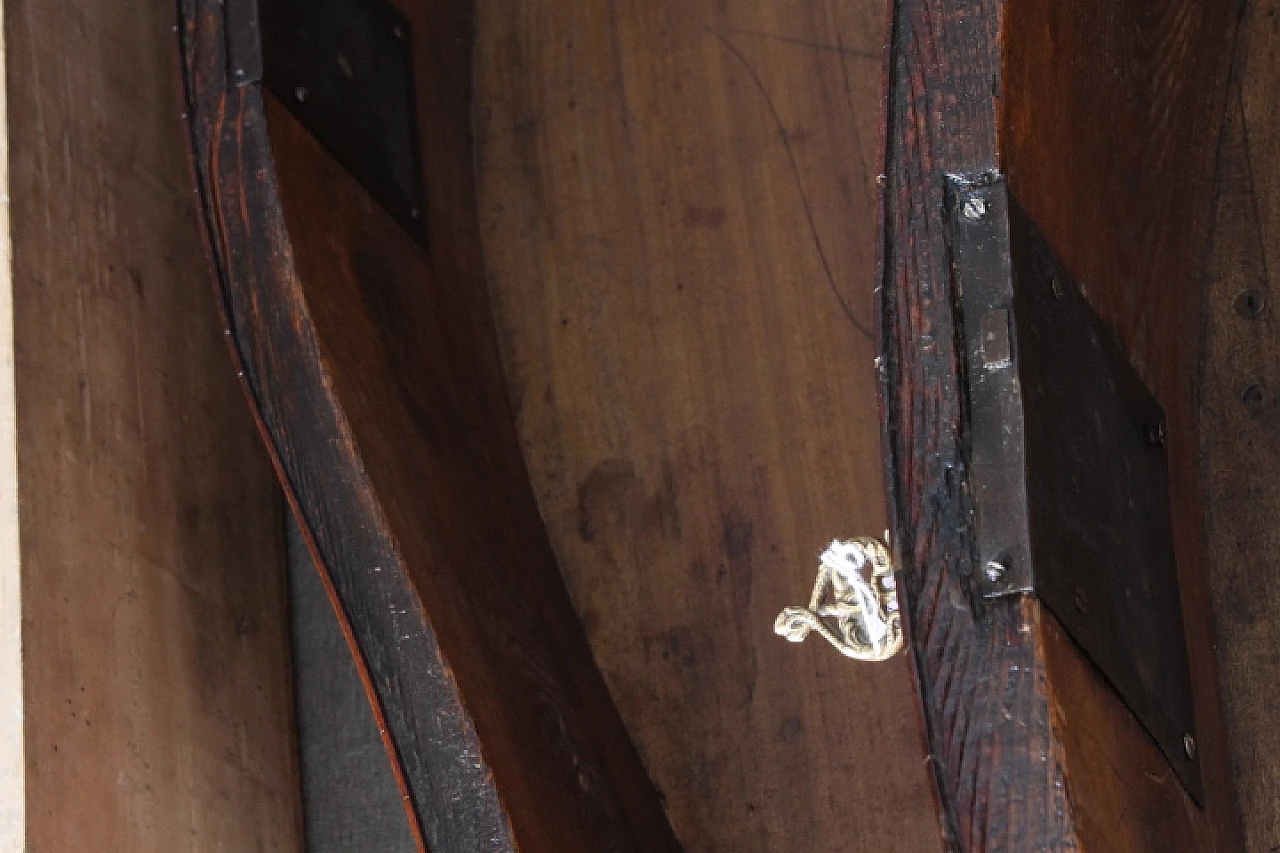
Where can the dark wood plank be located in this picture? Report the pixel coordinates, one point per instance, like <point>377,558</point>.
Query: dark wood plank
<point>1024,732</point>
<point>1238,391</point>
<point>350,798</point>
<point>373,368</point>
<point>980,667</point>
<point>678,206</point>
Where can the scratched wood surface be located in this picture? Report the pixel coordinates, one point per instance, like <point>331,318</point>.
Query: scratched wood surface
<point>372,365</point>
<point>679,216</point>
<point>157,691</point>
<point>981,668</point>
<point>1239,424</point>
<point>12,771</point>
<point>1034,751</point>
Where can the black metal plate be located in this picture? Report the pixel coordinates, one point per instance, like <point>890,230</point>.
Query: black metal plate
<point>1098,499</point>
<point>1069,472</point>
<point>345,69</point>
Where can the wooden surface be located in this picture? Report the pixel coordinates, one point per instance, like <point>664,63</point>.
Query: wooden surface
<point>12,775</point>
<point>679,217</point>
<point>980,664</point>
<point>1239,424</point>
<point>978,86</point>
<point>1133,232</point>
<point>157,693</point>
<point>350,800</point>
<point>373,368</point>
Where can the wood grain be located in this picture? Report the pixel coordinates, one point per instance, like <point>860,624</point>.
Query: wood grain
<point>156,692</point>
<point>1022,88</point>
<point>980,665</point>
<point>350,797</point>
<point>678,209</point>
<point>373,368</point>
<point>13,798</point>
<point>1239,450</point>
<point>1133,231</point>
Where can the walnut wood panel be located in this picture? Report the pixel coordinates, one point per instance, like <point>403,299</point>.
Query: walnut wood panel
<point>678,208</point>
<point>156,684</point>
<point>1105,118</point>
<point>1239,431</point>
<point>373,368</point>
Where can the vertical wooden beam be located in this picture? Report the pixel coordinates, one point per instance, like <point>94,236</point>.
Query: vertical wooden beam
<point>1239,425</point>
<point>155,678</point>
<point>12,791</point>
<point>1103,116</point>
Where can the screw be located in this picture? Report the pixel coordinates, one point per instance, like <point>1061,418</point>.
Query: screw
<point>1189,746</point>
<point>1055,284</point>
<point>398,31</point>
<point>415,214</point>
<point>995,570</point>
<point>301,94</point>
<point>1253,398</point>
<point>1082,600</point>
<point>974,208</point>
<point>1156,434</point>
<point>1249,304</point>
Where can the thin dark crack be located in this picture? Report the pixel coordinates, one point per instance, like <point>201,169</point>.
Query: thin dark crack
<point>853,112</point>
<point>795,171</point>
<point>798,42</point>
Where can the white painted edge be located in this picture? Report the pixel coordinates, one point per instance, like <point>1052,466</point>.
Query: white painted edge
<point>13,799</point>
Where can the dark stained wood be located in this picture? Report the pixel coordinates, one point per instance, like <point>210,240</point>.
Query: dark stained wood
<point>1126,203</point>
<point>679,213</point>
<point>373,369</point>
<point>1104,117</point>
<point>980,667</point>
<point>1121,790</point>
<point>1238,392</point>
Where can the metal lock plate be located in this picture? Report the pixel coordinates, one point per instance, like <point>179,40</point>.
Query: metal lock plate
<point>345,69</point>
<point>1068,470</point>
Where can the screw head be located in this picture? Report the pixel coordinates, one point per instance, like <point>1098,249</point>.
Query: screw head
<point>1254,397</point>
<point>1189,746</point>
<point>301,94</point>
<point>974,208</point>
<point>995,570</point>
<point>1156,434</point>
<point>1249,303</point>
<point>1081,599</point>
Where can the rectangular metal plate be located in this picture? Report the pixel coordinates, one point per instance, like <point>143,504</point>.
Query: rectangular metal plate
<point>345,69</point>
<point>1069,470</point>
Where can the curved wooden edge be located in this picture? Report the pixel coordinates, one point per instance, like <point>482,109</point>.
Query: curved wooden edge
<point>199,107</point>
<point>501,727</point>
<point>980,667</point>
<point>1032,749</point>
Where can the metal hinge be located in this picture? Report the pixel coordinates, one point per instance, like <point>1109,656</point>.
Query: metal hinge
<point>1068,471</point>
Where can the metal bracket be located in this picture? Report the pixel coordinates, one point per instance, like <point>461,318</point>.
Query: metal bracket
<point>345,69</point>
<point>1068,471</point>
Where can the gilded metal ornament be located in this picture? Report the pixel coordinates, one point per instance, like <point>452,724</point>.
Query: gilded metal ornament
<point>856,613</point>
